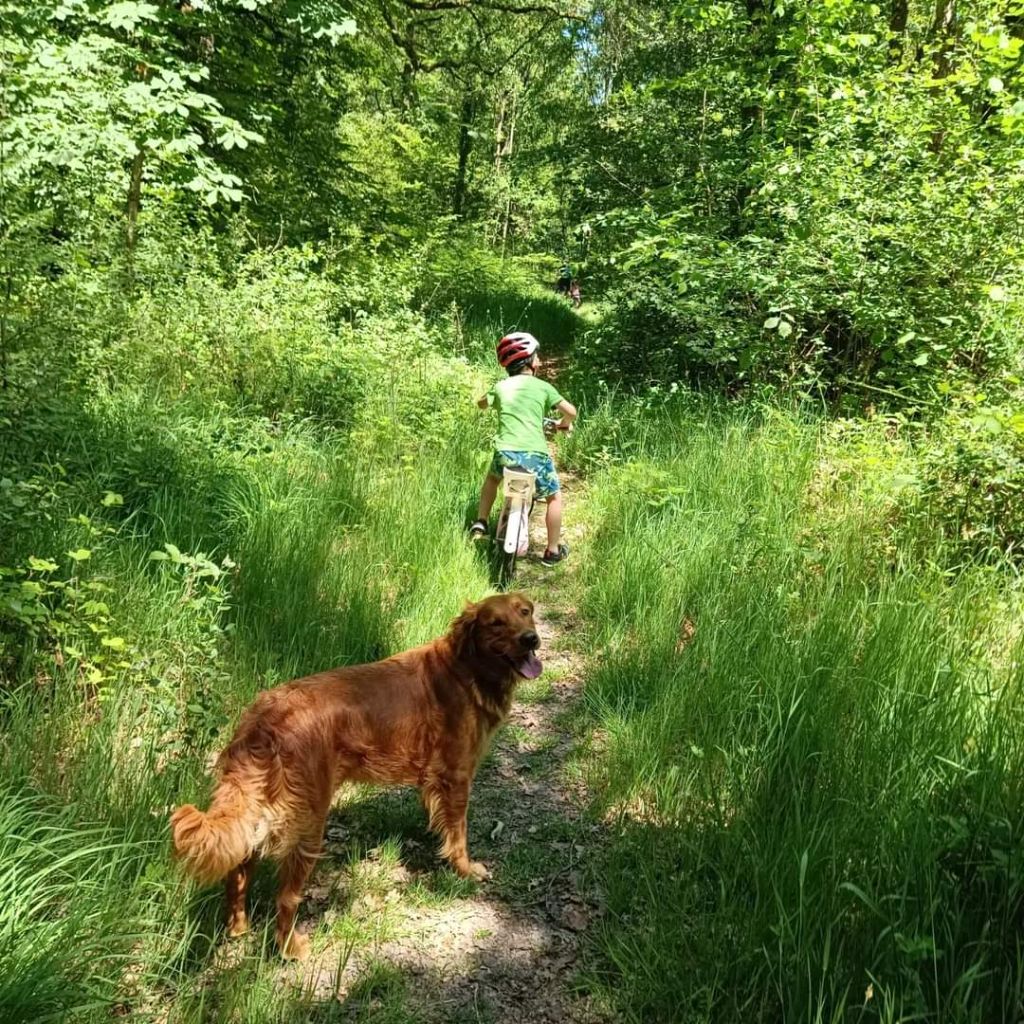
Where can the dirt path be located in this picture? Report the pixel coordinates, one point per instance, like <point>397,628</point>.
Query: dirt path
<point>397,937</point>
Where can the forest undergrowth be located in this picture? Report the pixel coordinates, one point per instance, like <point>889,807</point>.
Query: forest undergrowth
<point>254,259</point>
<point>801,720</point>
<point>807,731</point>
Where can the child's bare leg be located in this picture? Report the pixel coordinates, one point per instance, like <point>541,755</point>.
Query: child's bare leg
<point>488,493</point>
<point>553,520</point>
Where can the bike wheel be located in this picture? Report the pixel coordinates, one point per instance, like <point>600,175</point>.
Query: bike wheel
<point>509,570</point>
<point>508,559</point>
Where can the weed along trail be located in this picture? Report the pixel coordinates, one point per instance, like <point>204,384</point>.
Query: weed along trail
<point>395,932</point>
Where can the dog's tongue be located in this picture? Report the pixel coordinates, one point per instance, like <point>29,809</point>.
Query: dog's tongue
<point>530,667</point>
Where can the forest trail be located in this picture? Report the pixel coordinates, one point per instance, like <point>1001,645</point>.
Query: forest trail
<point>396,932</point>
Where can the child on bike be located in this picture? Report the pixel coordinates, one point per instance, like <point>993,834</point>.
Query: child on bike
<point>522,401</point>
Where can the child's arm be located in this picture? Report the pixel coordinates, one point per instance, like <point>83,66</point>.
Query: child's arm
<point>568,411</point>
<point>487,399</point>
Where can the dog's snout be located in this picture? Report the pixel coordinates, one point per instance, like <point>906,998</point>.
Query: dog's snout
<point>530,640</point>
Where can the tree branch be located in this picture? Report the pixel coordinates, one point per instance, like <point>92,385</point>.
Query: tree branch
<point>501,6</point>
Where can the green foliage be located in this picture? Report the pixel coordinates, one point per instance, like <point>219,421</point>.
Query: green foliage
<point>93,87</point>
<point>254,257</point>
<point>811,761</point>
<point>834,209</point>
<point>63,885</point>
<point>972,480</point>
<point>483,296</point>
<point>176,539</point>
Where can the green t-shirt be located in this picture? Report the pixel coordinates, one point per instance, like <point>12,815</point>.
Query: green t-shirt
<point>522,403</point>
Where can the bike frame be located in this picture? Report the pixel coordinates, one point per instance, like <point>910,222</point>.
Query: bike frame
<point>513,532</point>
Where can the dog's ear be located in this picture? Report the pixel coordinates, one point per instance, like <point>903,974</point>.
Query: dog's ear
<point>463,630</point>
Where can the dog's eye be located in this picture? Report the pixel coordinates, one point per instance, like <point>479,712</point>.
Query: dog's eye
<point>524,610</point>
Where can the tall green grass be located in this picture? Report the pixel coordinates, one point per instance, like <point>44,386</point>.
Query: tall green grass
<point>61,913</point>
<point>811,750</point>
<point>281,549</point>
<point>808,732</point>
<point>479,297</point>
<point>242,484</point>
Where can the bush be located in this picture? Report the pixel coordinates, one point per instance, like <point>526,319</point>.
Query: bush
<point>972,482</point>
<point>691,308</point>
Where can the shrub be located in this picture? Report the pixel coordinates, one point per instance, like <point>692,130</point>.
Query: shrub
<point>972,481</point>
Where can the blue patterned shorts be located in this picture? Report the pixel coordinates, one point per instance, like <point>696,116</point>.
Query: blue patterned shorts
<point>533,462</point>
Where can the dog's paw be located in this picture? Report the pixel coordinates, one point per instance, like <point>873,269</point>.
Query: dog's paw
<point>295,947</point>
<point>238,924</point>
<point>478,872</point>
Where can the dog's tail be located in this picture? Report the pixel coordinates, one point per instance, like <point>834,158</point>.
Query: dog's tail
<point>210,843</point>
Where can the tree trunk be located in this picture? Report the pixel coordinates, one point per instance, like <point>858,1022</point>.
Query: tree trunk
<point>499,132</point>
<point>134,198</point>
<point>752,114</point>
<point>4,334</point>
<point>899,14</point>
<point>505,125</point>
<point>465,145</point>
<point>506,224</point>
<point>943,31</point>
<point>510,135</point>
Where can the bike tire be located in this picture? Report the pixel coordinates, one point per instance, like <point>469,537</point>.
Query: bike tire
<point>509,560</point>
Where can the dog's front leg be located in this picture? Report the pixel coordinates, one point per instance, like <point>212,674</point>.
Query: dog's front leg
<point>447,800</point>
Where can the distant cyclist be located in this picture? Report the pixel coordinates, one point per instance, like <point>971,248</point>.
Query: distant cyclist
<point>522,402</point>
<point>564,280</point>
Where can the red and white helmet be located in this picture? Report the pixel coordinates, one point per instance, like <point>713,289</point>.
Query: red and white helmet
<point>515,346</point>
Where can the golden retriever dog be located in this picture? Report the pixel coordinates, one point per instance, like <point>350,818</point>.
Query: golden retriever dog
<point>422,718</point>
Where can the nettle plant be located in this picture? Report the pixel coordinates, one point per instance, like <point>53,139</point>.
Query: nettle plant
<point>65,614</point>
<point>56,606</point>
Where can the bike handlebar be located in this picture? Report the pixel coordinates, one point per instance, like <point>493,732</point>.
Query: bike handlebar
<point>551,425</point>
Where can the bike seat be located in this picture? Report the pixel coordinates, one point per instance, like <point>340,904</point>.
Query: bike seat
<point>519,481</point>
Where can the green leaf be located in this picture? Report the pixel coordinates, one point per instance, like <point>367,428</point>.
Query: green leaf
<point>42,564</point>
<point>336,31</point>
<point>111,498</point>
<point>785,328</point>
<point>921,360</point>
<point>80,554</point>
<point>987,421</point>
<point>128,15</point>
<point>115,643</point>
<point>771,323</point>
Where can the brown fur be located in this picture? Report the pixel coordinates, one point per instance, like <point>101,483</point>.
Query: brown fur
<point>422,718</point>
